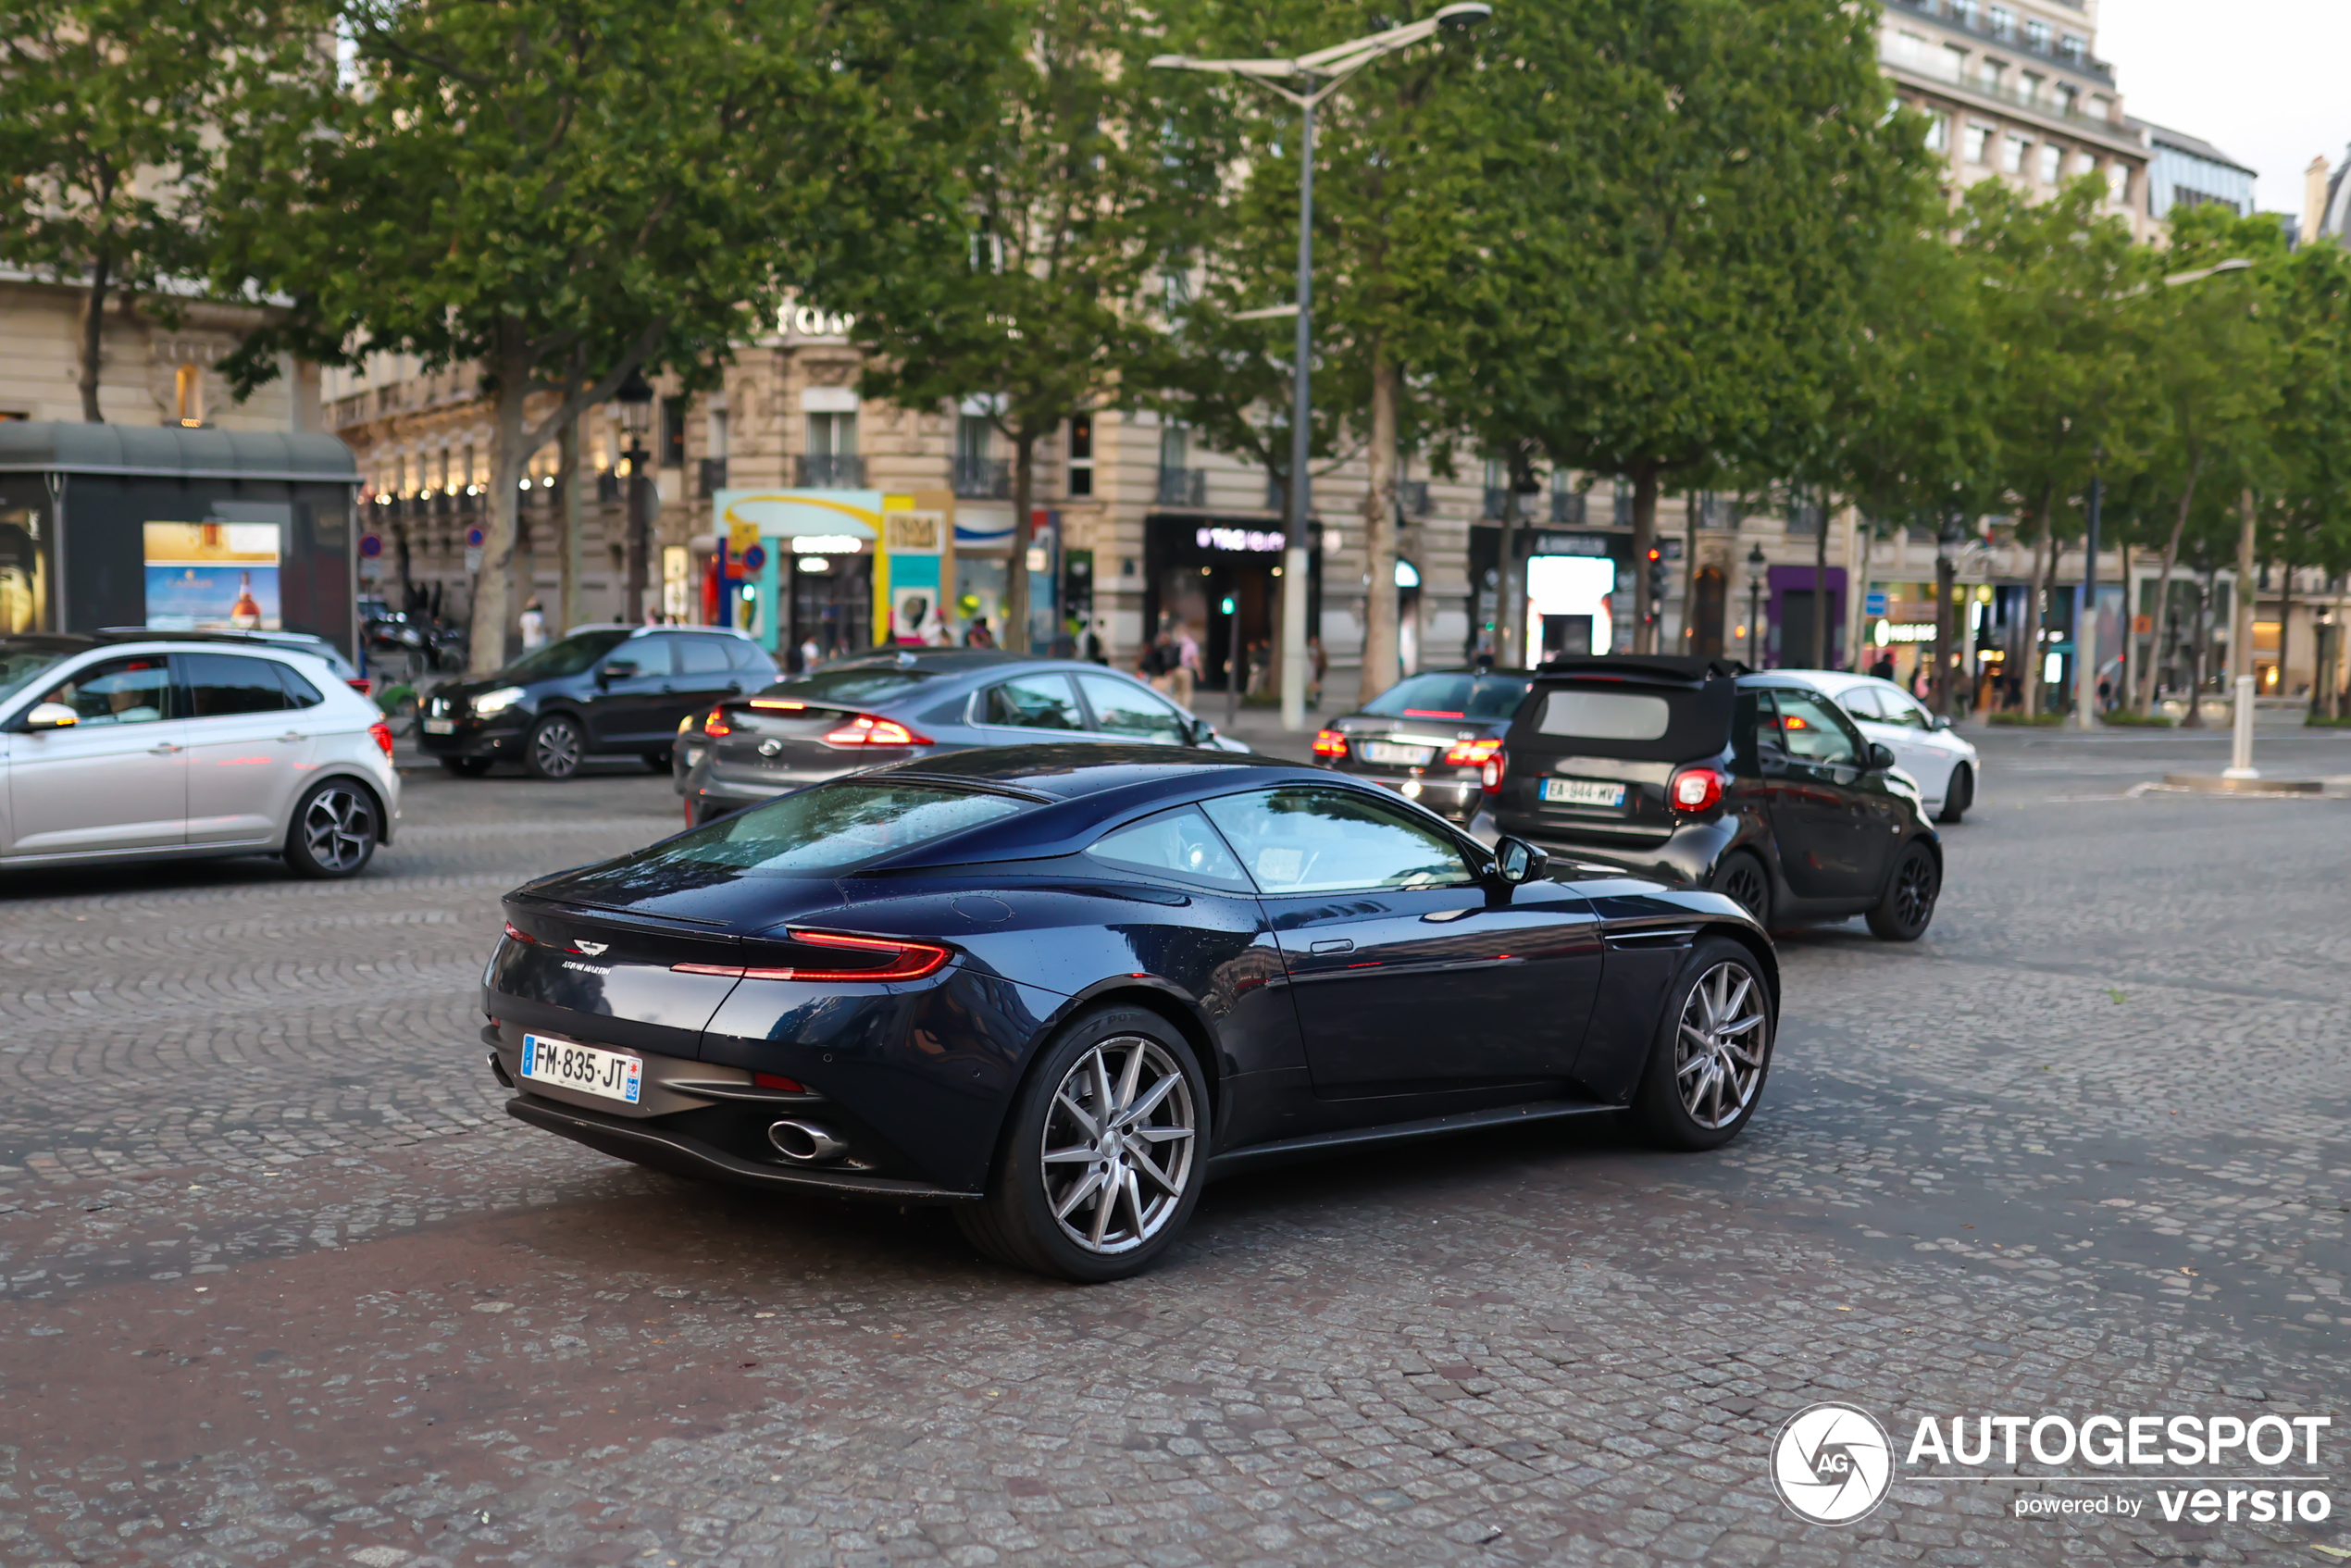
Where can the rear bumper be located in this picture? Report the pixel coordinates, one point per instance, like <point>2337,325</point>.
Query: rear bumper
<point>1448,794</point>
<point>663,1150</point>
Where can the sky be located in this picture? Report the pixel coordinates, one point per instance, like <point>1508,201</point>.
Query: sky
<point>2261,80</point>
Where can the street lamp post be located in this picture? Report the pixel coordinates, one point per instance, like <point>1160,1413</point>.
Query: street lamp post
<point>2085,622</point>
<point>1319,75</point>
<point>635,400</point>
<point>1755,564</point>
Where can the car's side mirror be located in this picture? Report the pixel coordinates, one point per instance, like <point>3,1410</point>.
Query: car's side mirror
<point>1202,732</point>
<point>617,669</point>
<point>1516,861</point>
<point>51,715</point>
<point>1942,721</point>
<point>1881,756</point>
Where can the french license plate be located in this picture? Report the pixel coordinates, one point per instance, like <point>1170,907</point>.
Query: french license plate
<point>1388,752</point>
<point>440,727</point>
<point>583,1068</point>
<point>1583,793</point>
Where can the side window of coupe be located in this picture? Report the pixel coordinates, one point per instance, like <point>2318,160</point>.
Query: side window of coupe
<point>1309,841</point>
<point>1132,713</point>
<point>117,691</point>
<point>1814,731</point>
<point>224,686</point>
<point>1032,702</point>
<point>1177,842</point>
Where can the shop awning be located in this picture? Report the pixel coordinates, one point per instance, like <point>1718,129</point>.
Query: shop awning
<point>172,452</point>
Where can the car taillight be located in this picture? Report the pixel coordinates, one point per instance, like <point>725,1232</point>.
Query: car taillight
<point>1696,789</point>
<point>905,961</point>
<point>716,725</point>
<point>520,934</point>
<point>362,684</point>
<point>382,732</point>
<point>1472,754</point>
<point>1329,743</point>
<point>1489,778</point>
<point>869,729</point>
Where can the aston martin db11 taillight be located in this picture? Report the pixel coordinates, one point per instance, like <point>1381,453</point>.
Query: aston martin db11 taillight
<point>899,961</point>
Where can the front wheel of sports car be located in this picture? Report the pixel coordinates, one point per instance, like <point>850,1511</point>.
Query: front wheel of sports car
<point>1712,1053</point>
<point>1103,1157</point>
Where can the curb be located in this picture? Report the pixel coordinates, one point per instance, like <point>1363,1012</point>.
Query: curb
<point>2210,784</point>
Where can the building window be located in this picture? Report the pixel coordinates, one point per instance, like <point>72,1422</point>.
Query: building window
<point>1979,138</point>
<point>2037,36</point>
<point>1938,133</point>
<point>673,433</point>
<point>2083,164</point>
<point>470,475</point>
<point>834,435</point>
<point>1954,62</point>
<point>2013,151</point>
<point>188,394</point>
<point>1963,13</point>
<point>2068,99</point>
<point>1081,455</point>
<point>2003,22</point>
<point>2052,163</point>
<point>1988,74</point>
<point>2117,183</point>
<point>2101,108</point>
<point>2073,48</point>
<point>975,437</point>
<point>2028,87</point>
<point>718,434</point>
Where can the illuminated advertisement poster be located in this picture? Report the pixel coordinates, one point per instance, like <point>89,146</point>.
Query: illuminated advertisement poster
<point>212,576</point>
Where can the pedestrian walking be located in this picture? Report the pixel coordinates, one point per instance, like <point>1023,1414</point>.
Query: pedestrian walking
<point>534,626</point>
<point>1322,667</point>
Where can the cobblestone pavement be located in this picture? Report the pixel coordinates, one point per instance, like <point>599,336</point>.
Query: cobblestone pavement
<point>283,1284</point>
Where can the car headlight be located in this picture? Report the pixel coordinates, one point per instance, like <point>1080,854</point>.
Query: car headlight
<point>497,702</point>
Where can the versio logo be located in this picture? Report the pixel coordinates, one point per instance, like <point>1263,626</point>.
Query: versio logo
<point>1832,1463</point>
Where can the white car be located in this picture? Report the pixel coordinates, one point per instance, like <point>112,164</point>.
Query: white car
<point>139,746</point>
<point>1943,764</point>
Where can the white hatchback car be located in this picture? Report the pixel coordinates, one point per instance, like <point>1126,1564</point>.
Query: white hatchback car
<point>1943,764</point>
<point>146,746</point>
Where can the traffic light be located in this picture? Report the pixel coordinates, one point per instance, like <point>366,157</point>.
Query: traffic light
<point>1657,573</point>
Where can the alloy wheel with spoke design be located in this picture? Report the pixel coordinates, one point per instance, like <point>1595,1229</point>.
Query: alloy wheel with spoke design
<point>1721,1043</point>
<point>1914,891</point>
<point>1118,1144</point>
<point>336,831</point>
<point>554,749</point>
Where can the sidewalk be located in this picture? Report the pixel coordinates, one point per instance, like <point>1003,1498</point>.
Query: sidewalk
<point>1262,728</point>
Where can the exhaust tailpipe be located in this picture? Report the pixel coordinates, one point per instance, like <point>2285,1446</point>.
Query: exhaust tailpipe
<point>806,1143</point>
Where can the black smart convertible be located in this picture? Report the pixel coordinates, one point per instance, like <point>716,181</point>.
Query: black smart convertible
<point>1061,987</point>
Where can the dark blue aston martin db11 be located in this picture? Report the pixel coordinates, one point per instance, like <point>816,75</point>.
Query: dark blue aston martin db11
<point>1061,987</point>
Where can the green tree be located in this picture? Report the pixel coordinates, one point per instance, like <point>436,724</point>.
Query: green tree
<point>2309,301</point>
<point>108,113</point>
<point>565,192</point>
<point>1073,208</point>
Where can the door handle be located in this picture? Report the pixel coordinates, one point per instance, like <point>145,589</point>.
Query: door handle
<point>291,736</point>
<point>1335,944</point>
<point>163,750</point>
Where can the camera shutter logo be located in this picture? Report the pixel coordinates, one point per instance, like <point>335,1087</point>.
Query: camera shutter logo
<point>1832,1463</point>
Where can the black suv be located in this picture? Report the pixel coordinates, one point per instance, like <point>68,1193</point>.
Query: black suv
<point>1698,774</point>
<point>610,689</point>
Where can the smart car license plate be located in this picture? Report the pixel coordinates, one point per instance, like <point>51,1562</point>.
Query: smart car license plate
<point>1583,793</point>
<point>440,727</point>
<point>1388,752</point>
<point>604,1073</point>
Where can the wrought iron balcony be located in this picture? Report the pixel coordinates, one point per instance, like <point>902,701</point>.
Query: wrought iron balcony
<point>983,479</point>
<point>1183,487</point>
<point>831,470</point>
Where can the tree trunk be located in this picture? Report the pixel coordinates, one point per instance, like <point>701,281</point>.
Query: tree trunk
<point>1379,534</point>
<point>2038,621</point>
<point>1820,585</point>
<point>1947,623</point>
<point>1690,504</point>
<point>94,334</point>
<point>1015,627</point>
<point>491,613</point>
<point>2129,670</point>
<point>568,531</point>
<point>1644,537</point>
<point>2285,626</point>
<point>2202,643</point>
<point>2163,587</point>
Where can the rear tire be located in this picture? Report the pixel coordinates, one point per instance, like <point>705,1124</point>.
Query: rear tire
<point>1712,1050</point>
<point>1742,879</point>
<point>1904,914</point>
<point>335,830</point>
<point>1045,1204</point>
<point>554,747</point>
<point>1958,795</point>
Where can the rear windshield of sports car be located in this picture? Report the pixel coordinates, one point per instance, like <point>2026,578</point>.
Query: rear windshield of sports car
<point>1442,696</point>
<point>862,687</point>
<point>828,829</point>
<point>1633,720</point>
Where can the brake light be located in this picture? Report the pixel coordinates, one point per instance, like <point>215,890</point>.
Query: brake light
<point>520,934</point>
<point>362,684</point>
<point>1329,743</point>
<point>776,705</point>
<point>382,732</point>
<point>1696,789</point>
<point>1472,753</point>
<point>716,725</point>
<point>1489,778</point>
<point>869,729</point>
<point>906,960</point>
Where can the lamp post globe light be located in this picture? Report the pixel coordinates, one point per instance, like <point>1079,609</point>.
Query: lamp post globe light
<point>635,400</point>
<point>1317,76</point>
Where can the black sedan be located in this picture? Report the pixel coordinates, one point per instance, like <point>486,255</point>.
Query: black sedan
<point>1427,737</point>
<point>602,689</point>
<point>898,704</point>
<point>1061,987</point>
<point>1698,774</point>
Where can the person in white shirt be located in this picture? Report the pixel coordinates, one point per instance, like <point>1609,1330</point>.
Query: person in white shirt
<point>534,626</point>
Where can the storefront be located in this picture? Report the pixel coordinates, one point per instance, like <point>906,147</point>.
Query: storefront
<point>179,530</point>
<point>1219,583</point>
<point>1797,595</point>
<point>1571,581</point>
